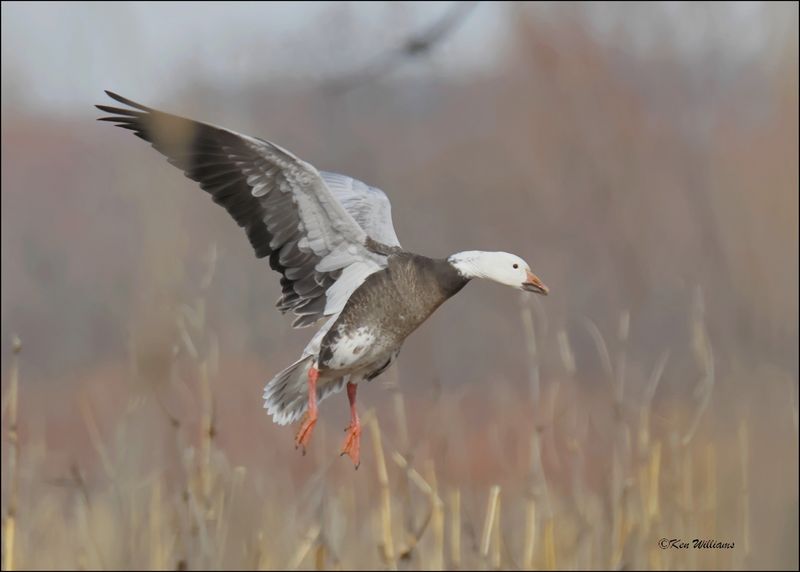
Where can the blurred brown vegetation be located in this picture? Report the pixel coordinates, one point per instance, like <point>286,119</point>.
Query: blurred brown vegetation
<point>652,394</point>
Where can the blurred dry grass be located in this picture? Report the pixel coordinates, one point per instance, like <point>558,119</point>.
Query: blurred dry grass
<point>653,394</point>
<point>468,481</point>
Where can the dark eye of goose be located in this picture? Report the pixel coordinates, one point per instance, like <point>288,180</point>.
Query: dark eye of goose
<point>516,265</point>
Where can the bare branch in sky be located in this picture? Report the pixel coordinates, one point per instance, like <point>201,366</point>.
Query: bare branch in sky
<point>416,45</point>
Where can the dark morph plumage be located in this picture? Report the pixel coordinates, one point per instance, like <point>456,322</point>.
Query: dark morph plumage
<point>332,240</point>
<point>393,302</point>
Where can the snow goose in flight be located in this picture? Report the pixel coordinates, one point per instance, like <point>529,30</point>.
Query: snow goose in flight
<point>332,240</point>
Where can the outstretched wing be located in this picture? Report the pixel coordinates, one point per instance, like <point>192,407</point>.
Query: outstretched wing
<point>282,202</point>
<point>369,206</point>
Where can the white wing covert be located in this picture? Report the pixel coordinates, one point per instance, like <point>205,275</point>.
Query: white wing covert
<point>369,206</point>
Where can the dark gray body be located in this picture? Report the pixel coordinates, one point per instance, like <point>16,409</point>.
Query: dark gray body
<point>368,333</point>
<point>383,311</point>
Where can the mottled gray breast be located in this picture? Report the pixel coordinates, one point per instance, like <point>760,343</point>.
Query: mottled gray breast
<point>393,302</point>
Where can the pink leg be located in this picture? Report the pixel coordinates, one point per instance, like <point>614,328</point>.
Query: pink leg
<point>352,442</point>
<point>310,418</point>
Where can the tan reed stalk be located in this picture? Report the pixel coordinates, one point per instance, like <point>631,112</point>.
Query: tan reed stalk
<point>402,422</point>
<point>622,336</point>
<point>82,518</point>
<point>82,558</point>
<point>319,556</point>
<point>96,439</point>
<point>216,511</point>
<point>488,523</point>
<point>455,528</point>
<point>496,544</point>
<point>530,534</point>
<point>134,510</point>
<point>437,520</point>
<point>656,561</point>
<point>643,488</point>
<point>413,536</point>
<point>211,269</point>
<point>550,562</point>
<point>97,443</point>
<point>84,505</point>
<point>10,525</point>
<point>223,522</point>
<point>413,475</point>
<point>538,479</point>
<point>185,337</point>
<point>687,491</point>
<point>305,546</point>
<point>263,561</point>
<point>538,488</point>
<point>404,515</point>
<point>617,510</point>
<point>654,473</point>
<point>744,491</point>
<point>539,492</point>
<point>645,413</point>
<point>566,353</point>
<point>533,357</point>
<point>688,503</point>
<point>206,435</point>
<point>704,356</point>
<point>184,551</point>
<point>710,520</point>
<point>601,347</point>
<point>386,495</point>
<point>621,446</point>
<point>158,560</point>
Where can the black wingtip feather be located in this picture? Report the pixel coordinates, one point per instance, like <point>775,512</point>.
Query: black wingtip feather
<point>120,121</point>
<point>204,159</point>
<point>120,111</point>
<point>126,101</point>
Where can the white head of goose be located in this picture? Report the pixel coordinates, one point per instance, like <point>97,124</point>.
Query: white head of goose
<point>500,267</point>
<point>332,240</point>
